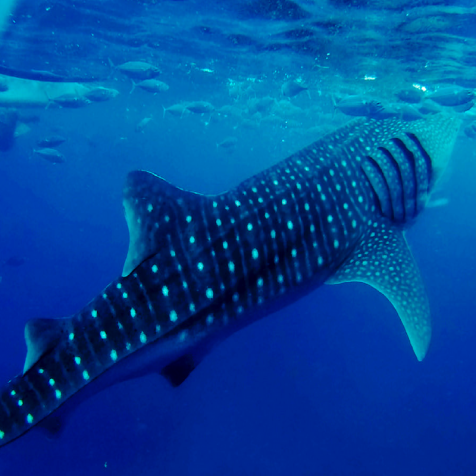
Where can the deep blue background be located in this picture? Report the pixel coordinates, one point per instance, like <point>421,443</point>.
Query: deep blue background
<point>329,386</point>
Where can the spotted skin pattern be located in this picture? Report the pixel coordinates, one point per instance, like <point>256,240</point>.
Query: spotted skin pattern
<point>200,267</point>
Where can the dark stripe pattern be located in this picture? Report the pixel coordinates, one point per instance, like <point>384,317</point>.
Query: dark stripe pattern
<point>400,175</point>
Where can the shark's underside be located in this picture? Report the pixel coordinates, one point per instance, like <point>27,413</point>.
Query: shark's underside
<point>200,267</point>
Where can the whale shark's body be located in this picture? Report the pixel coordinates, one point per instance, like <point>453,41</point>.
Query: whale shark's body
<point>200,267</point>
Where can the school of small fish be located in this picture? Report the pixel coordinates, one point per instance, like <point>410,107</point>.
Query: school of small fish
<point>247,108</point>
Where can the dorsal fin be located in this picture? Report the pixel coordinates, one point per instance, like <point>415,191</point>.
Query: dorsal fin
<point>151,206</point>
<point>41,335</point>
<point>384,261</point>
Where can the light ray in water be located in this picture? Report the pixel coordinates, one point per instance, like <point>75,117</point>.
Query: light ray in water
<point>6,8</point>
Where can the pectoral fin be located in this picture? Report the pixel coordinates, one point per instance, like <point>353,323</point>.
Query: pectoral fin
<point>384,261</point>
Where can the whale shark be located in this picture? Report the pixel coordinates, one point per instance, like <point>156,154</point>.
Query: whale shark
<point>201,267</point>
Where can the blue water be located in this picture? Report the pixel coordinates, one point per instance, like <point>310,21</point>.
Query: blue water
<point>328,386</point>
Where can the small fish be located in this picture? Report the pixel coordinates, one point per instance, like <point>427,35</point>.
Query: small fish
<point>139,70</point>
<point>359,106</point>
<point>451,96</point>
<point>229,111</point>
<point>177,110</point>
<point>152,86</point>
<point>21,129</point>
<point>238,90</point>
<point>291,124</point>
<point>405,112</point>
<point>470,131</point>
<point>72,101</point>
<point>260,104</point>
<point>51,155</point>
<point>14,261</point>
<point>286,108</point>
<point>249,124</point>
<point>273,120</point>
<point>101,94</point>
<point>51,141</point>
<point>410,95</point>
<point>464,107</point>
<point>437,202</point>
<point>228,143</point>
<point>429,107</point>
<point>140,126</point>
<point>200,107</point>
<point>293,88</point>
